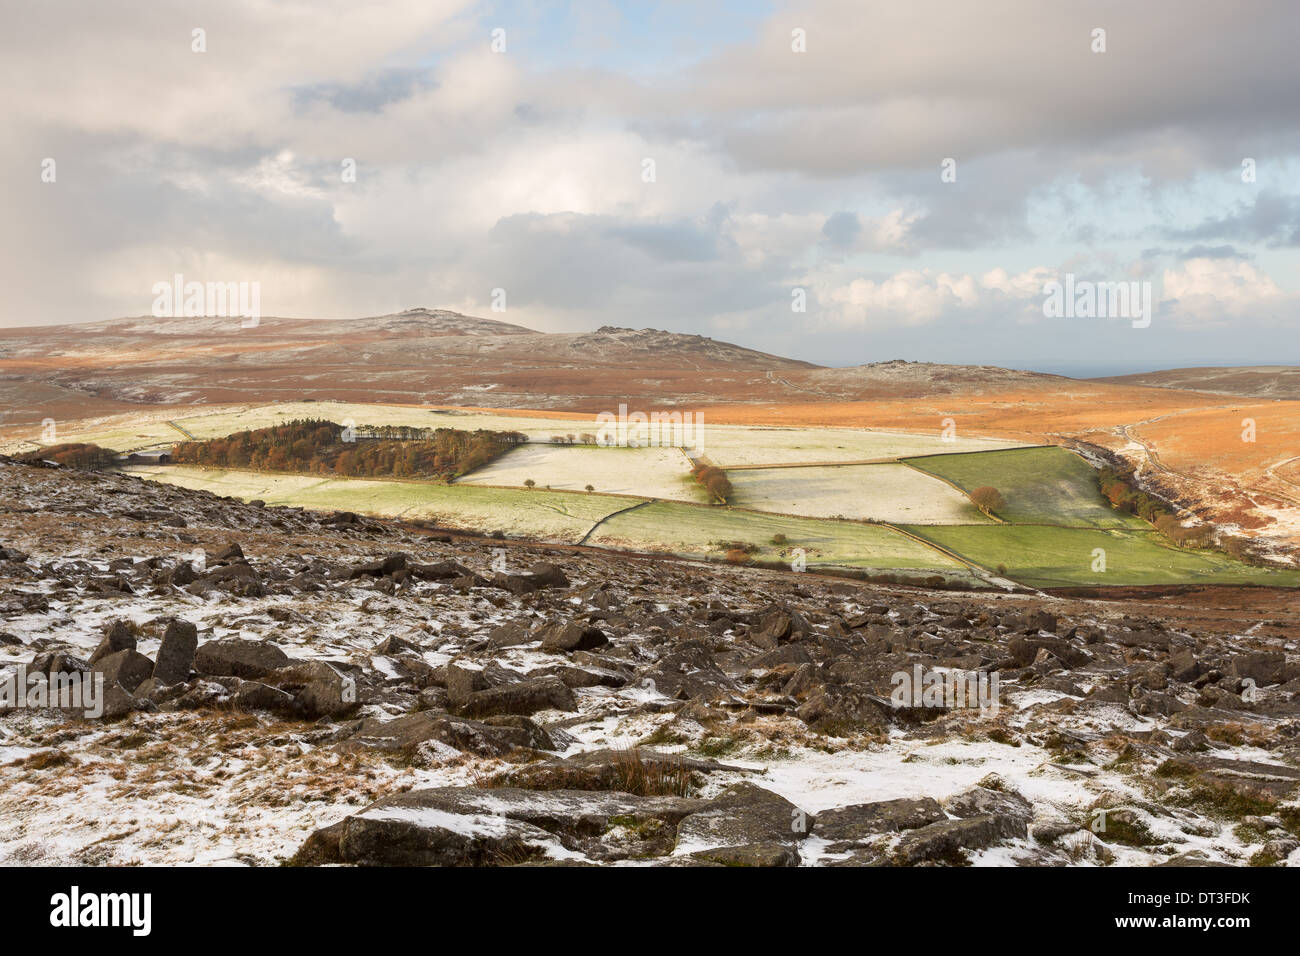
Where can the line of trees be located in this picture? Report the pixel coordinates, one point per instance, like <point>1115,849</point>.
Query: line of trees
<point>1119,488</point>
<point>586,438</point>
<point>318,447</point>
<point>416,433</point>
<point>714,480</point>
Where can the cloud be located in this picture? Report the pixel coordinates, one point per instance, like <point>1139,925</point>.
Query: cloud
<point>842,229</point>
<point>1213,290</point>
<point>904,85</point>
<point>923,296</point>
<point>1213,252</point>
<point>773,168</point>
<point>1199,291</point>
<point>1272,219</point>
<point>371,94</point>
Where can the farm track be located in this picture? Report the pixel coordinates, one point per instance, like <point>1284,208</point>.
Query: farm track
<point>581,547</point>
<point>1152,460</point>
<point>799,388</point>
<point>1271,472</point>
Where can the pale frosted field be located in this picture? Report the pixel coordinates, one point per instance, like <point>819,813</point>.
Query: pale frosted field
<point>120,432</point>
<point>652,472</point>
<point>545,515</point>
<point>238,418</point>
<point>734,445</point>
<point>724,445</point>
<point>894,493</point>
<point>136,430</point>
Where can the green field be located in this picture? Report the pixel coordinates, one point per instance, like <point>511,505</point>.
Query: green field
<point>1040,486</point>
<point>1062,557</point>
<point>697,532</point>
<point>850,516</point>
<point>548,515</point>
<point>662,526</point>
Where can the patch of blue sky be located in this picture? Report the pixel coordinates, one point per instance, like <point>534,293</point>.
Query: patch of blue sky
<point>636,39</point>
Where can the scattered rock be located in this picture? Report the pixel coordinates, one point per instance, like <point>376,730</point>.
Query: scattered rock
<point>560,638</point>
<point>118,636</point>
<point>128,668</point>
<point>525,697</point>
<point>237,657</point>
<point>175,657</point>
<point>860,822</point>
<point>745,814</point>
<point>943,842</point>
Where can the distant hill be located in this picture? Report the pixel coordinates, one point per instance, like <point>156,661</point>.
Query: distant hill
<point>415,356</point>
<point>900,379</point>
<point>1249,381</point>
<point>436,356</point>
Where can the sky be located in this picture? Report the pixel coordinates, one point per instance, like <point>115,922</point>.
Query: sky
<point>840,182</point>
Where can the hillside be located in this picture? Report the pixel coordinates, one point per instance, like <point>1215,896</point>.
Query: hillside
<point>420,356</point>
<point>901,379</point>
<point>1250,381</point>
<point>432,356</point>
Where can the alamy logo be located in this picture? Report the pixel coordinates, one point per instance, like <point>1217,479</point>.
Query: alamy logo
<point>75,690</point>
<point>1082,299</point>
<point>181,299</point>
<point>653,430</point>
<point>74,909</point>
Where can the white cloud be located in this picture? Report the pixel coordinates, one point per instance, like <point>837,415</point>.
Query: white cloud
<point>1212,290</point>
<point>924,296</point>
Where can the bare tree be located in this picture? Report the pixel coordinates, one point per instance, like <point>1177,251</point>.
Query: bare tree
<point>987,499</point>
